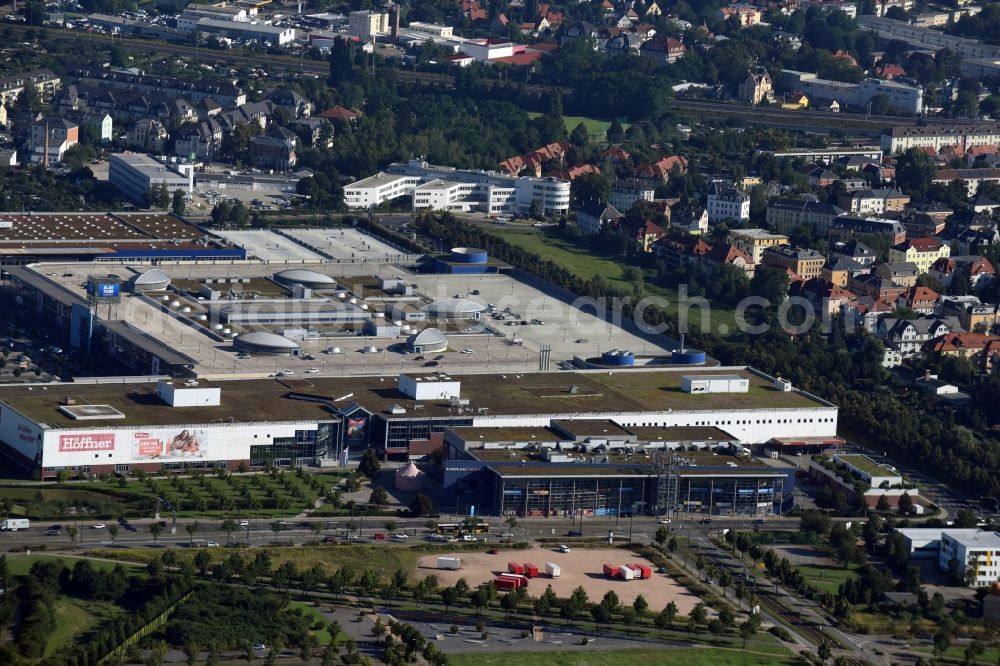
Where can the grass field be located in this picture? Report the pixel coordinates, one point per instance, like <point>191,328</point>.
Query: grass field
<point>826,579</point>
<point>695,657</point>
<point>20,565</point>
<point>596,127</point>
<point>315,615</point>
<point>377,558</point>
<point>71,620</point>
<point>588,263</point>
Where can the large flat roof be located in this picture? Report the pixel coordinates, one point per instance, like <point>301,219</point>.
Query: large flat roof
<point>511,394</point>
<point>99,228</point>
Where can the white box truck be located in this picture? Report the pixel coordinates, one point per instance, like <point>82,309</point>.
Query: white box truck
<point>14,524</point>
<point>449,563</point>
<point>552,569</point>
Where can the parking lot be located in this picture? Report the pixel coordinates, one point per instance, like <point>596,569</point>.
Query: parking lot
<point>570,329</point>
<point>269,246</point>
<point>347,245</point>
<point>581,566</point>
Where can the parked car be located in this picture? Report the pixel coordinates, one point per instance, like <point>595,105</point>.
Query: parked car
<point>469,537</point>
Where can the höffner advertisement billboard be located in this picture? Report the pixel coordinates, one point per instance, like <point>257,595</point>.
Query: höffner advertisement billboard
<point>168,444</point>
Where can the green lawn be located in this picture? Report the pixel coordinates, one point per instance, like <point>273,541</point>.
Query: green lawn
<point>71,620</point>
<point>826,579</point>
<point>957,653</point>
<point>378,558</point>
<point>20,565</point>
<point>315,615</point>
<point>576,258</point>
<point>581,656</point>
<point>588,263</point>
<point>595,126</point>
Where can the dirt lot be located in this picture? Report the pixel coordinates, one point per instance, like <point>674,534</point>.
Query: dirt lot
<point>580,567</point>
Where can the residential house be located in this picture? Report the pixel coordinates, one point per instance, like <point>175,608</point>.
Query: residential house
<point>975,241</point>
<point>920,251</point>
<point>315,132</point>
<point>983,204</point>
<point>581,30</point>
<point>973,314</point>
<point>728,254</point>
<point>840,269</point>
<point>826,297</point>
<point>757,87</point>
<point>574,172</point>
<point>45,83</point>
<point>754,241</point>
<point>690,219</point>
<point>875,287</point>
<point>906,338</point>
<point>976,267</point>
<point>50,138</point>
<point>339,114</point>
<point>904,273</point>
<point>922,225</point>
<point>534,161</point>
<point>626,192</point>
<point>804,262</point>
<point>642,232</point>
<point>593,215</point>
<point>919,299</point>
<point>787,215</point>
<point>661,169</point>
<point>98,125</point>
<point>200,141</point>
<point>662,50</point>
<point>615,155</point>
<point>682,250</point>
<point>873,202</point>
<point>295,104</point>
<point>272,152</point>
<point>846,227</point>
<point>745,15</point>
<point>727,203</point>
<point>854,250</point>
<point>980,348</point>
<point>147,136</point>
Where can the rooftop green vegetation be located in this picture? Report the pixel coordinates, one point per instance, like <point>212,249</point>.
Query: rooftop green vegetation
<point>865,464</point>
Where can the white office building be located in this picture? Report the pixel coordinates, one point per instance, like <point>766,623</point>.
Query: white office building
<point>136,174</point>
<point>977,553</point>
<point>902,98</point>
<point>459,190</point>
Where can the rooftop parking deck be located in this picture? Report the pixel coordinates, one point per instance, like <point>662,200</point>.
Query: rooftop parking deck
<point>507,394</point>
